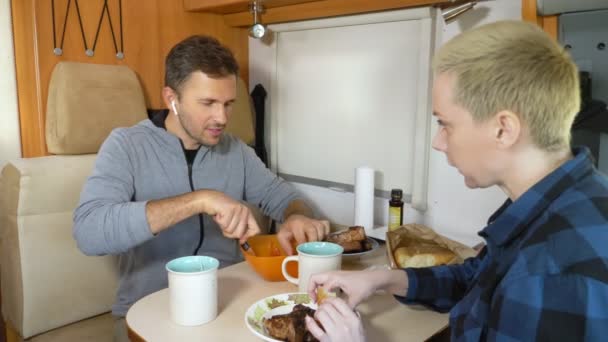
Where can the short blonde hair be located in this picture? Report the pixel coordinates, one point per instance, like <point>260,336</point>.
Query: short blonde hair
<point>513,65</point>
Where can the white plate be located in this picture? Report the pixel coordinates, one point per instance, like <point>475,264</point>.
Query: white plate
<point>274,305</point>
<point>375,245</point>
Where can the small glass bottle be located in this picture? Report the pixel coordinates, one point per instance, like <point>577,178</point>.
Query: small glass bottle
<point>395,209</point>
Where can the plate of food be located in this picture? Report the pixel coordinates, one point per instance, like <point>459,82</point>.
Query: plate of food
<point>372,245</point>
<point>354,241</point>
<point>281,317</point>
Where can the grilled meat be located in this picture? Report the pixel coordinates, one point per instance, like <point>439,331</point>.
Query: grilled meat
<point>291,327</point>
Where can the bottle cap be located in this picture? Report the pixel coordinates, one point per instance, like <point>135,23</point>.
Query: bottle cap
<point>396,194</point>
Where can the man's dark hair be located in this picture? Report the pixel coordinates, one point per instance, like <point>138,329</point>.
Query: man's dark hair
<point>198,53</point>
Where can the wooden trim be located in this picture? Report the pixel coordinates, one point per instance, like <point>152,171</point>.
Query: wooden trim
<point>133,336</point>
<point>548,23</point>
<point>325,8</point>
<point>233,6</point>
<point>528,11</point>
<point>11,333</point>
<point>31,113</point>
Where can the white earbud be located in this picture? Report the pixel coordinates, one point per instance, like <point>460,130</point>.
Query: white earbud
<point>173,106</point>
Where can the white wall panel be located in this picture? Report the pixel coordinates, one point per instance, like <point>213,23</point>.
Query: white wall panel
<point>10,144</point>
<point>340,103</point>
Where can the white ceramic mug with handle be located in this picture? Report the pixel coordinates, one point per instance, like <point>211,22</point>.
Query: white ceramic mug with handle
<point>313,257</point>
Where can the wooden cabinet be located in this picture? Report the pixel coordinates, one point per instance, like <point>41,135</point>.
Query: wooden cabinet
<point>233,6</point>
<point>151,28</point>
<point>529,13</point>
<point>236,12</point>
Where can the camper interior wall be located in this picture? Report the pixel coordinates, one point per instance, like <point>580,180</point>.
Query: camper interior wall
<point>10,146</point>
<point>453,209</point>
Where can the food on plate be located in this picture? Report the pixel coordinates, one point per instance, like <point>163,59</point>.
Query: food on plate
<point>423,256</point>
<point>291,327</point>
<point>353,240</point>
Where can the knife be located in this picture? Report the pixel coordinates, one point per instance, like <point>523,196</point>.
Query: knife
<point>247,248</point>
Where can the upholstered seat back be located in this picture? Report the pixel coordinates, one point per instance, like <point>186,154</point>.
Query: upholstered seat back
<point>87,101</point>
<point>241,122</point>
<point>46,281</point>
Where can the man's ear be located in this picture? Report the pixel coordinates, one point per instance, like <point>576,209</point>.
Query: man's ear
<point>507,128</point>
<point>169,95</point>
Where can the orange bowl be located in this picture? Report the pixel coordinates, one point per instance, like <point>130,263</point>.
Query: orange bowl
<point>268,258</point>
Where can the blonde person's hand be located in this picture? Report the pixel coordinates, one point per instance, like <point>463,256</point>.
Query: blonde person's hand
<point>338,323</point>
<point>234,218</point>
<point>301,229</point>
<point>357,285</point>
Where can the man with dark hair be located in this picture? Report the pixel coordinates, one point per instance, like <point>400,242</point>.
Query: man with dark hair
<point>174,185</point>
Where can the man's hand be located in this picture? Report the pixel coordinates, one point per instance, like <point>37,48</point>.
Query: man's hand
<point>339,323</point>
<point>301,229</point>
<point>233,217</point>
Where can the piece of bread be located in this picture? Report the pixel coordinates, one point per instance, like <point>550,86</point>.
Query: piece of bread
<point>355,233</point>
<point>353,239</point>
<point>322,294</point>
<point>422,256</point>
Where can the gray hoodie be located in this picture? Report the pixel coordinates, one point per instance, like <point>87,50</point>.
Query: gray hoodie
<point>145,162</point>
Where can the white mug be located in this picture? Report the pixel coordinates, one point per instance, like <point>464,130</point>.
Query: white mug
<point>192,289</point>
<point>313,257</point>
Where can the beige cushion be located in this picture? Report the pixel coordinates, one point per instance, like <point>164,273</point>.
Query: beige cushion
<point>86,101</point>
<point>46,281</point>
<point>241,120</point>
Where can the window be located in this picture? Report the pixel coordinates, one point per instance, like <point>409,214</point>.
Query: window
<point>353,91</point>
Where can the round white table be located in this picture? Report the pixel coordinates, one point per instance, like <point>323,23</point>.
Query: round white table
<point>384,318</point>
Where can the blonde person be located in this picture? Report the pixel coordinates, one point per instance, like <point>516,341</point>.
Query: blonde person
<point>505,96</point>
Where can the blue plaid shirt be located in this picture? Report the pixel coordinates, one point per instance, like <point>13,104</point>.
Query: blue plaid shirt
<point>543,274</point>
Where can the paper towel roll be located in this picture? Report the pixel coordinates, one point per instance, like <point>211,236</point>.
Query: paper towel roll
<point>364,198</point>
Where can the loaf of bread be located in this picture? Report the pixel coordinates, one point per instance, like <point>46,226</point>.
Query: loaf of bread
<point>423,256</point>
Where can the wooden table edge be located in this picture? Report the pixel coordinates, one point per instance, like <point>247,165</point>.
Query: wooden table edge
<point>133,336</point>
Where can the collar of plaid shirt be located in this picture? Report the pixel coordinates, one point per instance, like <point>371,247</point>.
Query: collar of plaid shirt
<point>511,219</point>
